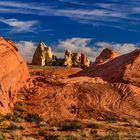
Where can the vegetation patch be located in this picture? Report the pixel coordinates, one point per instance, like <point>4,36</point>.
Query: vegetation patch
<point>71,125</point>
<point>111,119</point>
<point>93,125</point>
<point>33,118</point>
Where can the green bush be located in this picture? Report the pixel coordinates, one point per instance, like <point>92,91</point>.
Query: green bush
<point>94,132</point>
<point>13,126</point>
<point>67,126</point>
<point>8,116</point>
<point>73,137</point>
<point>33,118</point>
<point>1,118</point>
<point>93,125</point>
<point>111,119</point>
<point>18,119</point>
<point>52,137</point>
<point>41,133</point>
<point>112,135</point>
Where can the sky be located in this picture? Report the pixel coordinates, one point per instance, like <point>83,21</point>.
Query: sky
<point>86,26</point>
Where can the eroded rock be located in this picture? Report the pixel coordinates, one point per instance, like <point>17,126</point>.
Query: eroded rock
<point>39,55</point>
<point>13,74</point>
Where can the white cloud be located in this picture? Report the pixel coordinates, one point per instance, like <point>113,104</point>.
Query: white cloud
<point>19,26</point>
<point>26,49</point>
<point>121,48</point>
<point>76,45</point>
<point>82,45</point>
<point>96,13</point>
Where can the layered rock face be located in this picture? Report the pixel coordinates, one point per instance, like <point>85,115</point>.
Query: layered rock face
<point>13,74</point>
<point>124,68</point>
<point>106,55</point>
<point>56,96</point>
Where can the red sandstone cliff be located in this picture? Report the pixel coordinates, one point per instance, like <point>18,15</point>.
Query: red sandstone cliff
<point>124,68</point>
<point>13,74</point>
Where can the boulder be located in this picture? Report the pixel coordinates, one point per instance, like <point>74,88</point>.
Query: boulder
<point>39,55</point>
<point>14,74</point>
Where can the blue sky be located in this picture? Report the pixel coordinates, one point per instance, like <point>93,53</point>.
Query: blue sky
<point>81,25</point>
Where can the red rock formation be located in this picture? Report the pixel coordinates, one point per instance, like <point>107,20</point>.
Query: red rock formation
<point>125,68</point>
<point>106,55</point>
<point>84,60</point>
<point>57,97</point>
<point>13,74</point>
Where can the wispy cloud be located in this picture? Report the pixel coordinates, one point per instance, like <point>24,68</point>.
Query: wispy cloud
<point>83,45</point>
<point>76,44</point>
<point>26,49</point>
<point>96,13</point>
<point>20,26</point>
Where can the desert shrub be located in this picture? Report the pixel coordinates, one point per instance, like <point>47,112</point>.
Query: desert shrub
<point>41,124</point>
<point>18,119</point>
<point>93,132</point>
<point>22,128</point>
<point>112,135</point>
<point>111,119</point>
<point>1,118</point>
<point>73,125</point>
<point>73,137</point>
<point>33,118</point>
<point>15,135</point>
<point>8,116</point>
<point>18,104</point>
<point>3,136</point>
<point>93,125</point>
<point>51,137</point>
<point>83,134</point>
<point>14,118</point>
<point>13,126</point>
<point>42,133</point>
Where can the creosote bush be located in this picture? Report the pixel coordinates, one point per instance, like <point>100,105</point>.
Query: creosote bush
<point>70,125</point>
<point>33,118</point>
<point>93,125</point>
<point>111,119</point>
<point>1,118</point>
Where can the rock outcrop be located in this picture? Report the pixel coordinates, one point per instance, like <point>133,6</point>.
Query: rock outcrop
<point>84,60</point>
<point>49,56</point>
<point>39,55</point>
<point>58,97</point>
<point>106,55</point>
<point>124,68</point>
<point>13,74</point>
<point>68,58</point>
<point>76,59</point>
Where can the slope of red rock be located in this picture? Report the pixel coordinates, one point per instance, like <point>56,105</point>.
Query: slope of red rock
<point>125,68</point>
<point>13,74</point>
<point>106,55</point>
<point>58,97</point>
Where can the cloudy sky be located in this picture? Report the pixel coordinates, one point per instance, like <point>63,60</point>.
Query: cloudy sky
<point>81,25</point>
